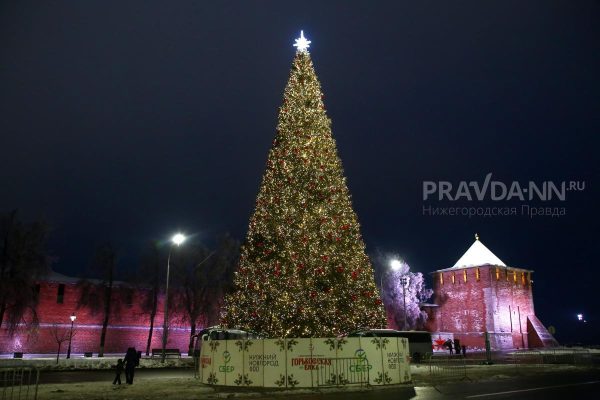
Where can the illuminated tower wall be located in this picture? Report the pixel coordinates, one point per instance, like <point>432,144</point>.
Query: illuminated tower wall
<point>481,294</point>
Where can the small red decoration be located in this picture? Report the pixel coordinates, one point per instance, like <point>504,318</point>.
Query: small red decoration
<point>340,269</point>
<point>325,258</point>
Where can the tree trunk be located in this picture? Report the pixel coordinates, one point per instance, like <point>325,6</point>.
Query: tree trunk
<point>2,311</point>
<point>191,345</point>
<point>105,322</point>
<point>4,264</point>
<point>58,352</point>
<point>107,301</point>
<point>152,316</point>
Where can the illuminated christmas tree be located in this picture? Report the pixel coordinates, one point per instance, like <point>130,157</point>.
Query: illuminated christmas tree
<point>303,269</point>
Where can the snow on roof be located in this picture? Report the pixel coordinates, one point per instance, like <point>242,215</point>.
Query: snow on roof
<point>478,255</point>
<point>54,276</point>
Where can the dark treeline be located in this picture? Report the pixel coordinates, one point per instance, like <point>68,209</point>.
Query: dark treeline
<point>23,261</point>
<point>200,277</point>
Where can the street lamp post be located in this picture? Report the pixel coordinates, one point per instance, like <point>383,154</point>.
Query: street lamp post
<point>403,281</point>
<point>395,265</point>
<point>73,317</point>
<point>176,240</point>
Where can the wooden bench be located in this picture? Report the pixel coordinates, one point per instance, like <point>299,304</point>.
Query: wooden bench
<point>168,353</point>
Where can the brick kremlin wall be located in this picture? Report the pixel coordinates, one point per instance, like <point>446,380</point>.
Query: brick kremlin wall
<point>128,325</point>
<point>471,301</point>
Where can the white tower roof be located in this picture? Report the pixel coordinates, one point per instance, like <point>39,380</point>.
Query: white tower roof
<point>478,255</point>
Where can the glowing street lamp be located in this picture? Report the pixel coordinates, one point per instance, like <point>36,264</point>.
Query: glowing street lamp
<point>176,240</point>
<point>73,318</point>
<point>396,265</point>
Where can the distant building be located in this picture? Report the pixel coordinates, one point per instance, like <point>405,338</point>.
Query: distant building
<point>481,294</point>
<point>128,324</point>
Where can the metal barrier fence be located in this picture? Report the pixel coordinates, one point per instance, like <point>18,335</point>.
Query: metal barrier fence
<point>19,383</point>
<point>552,356</point>
<point>446,368</point>
<point>344,371</point>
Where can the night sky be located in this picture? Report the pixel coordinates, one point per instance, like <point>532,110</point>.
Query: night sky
<point>130,120</point>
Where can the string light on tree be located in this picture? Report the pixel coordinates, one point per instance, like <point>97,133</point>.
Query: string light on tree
<point>303,269</point>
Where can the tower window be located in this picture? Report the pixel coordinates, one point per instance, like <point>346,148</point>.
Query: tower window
<point>529,278</point>
<point>36,291</point>
<point>465,276</point>
<point>497,273</point>
<point>441,278</point>
<point>477,274</point>
<point>60,295</point>
<point>523,278</point>
<point>129,298</point>
<point>515,276</point>
<point>453,278</point>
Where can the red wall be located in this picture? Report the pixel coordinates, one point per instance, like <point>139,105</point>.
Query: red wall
<point>468,309</point>
<point>128,325</point>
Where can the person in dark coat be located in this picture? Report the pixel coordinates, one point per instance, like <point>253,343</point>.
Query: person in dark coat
<point>119,371</point>
<point>449,345</point>
<point>464,350</point>
<point>457,346</point>
<point>131,361</point>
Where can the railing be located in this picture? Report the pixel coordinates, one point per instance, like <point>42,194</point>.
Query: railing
<point>344,371</point>
<point>552,356</point>
<point>445,368</point>
<point>19,383</point>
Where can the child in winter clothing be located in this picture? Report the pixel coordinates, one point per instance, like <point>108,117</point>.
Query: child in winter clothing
<point>119,370</point>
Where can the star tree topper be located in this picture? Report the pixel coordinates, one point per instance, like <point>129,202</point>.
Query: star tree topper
<point>302,44</point>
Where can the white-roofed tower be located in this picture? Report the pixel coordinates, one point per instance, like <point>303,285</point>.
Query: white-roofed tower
<point>480,293</point>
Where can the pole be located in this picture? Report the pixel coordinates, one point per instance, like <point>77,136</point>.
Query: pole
<point>70,339</point>
<point>166,312</point>
<point>403,282</point>
<point>488,349</point>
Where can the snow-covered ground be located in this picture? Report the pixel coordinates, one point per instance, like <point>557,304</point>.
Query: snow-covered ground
<point>190,388</point>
